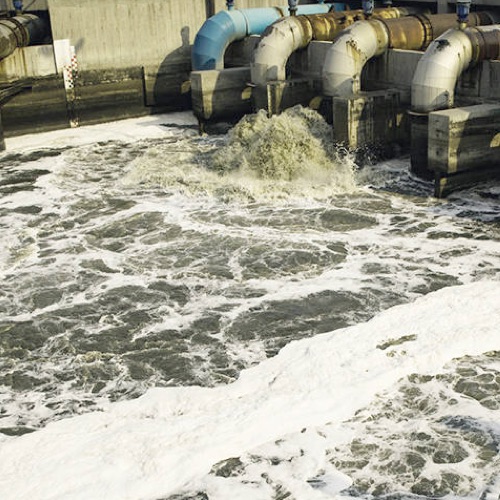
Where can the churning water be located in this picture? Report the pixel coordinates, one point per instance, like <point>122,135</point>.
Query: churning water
<point>181,260</point>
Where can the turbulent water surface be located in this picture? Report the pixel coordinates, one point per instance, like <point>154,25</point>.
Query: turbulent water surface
<point>182,260</point>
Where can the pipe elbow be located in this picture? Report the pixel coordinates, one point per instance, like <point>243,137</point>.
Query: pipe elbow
<point>347,56</point>
<point>213,38</point>
<point>280,40</point>
<point>437,72</point>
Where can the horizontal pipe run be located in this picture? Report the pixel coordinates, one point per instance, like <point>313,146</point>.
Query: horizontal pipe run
<point>20,31</point>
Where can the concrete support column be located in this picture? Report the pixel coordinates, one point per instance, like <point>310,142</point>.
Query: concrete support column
<point>463,146</point>
<point>419,145</point>
<point>369,119</point>
<point>218,94</point>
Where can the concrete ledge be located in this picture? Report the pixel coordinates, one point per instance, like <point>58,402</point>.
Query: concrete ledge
<point>277,96</point>
<point>369,119</point>
<point>446,184</point>
<point>28,62</point>
<point>218,94</point>
<point>463,139</point>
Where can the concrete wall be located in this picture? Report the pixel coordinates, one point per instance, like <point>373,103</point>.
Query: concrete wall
<point>127,33</point>
<point>28,62</point>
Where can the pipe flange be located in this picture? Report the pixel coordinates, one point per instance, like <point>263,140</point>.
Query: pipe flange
<point>477,43</point>
<point>428,31</point>
<point>485,44</point>
<point>19,32</point>
<point>387,30</point>
<point>491,44</point>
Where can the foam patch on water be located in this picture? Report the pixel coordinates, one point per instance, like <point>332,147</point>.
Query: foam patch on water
<point>130,130</point>
<point>110,287</point>
<point>297,418</point>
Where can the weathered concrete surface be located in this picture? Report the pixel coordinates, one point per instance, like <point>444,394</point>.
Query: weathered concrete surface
<point>394,69</point>
<point>134,58</point>
<point>39,109</point>
<point>116,36</point>
<point>28,62</point>
<point>446,184</point>
<point>126,33</point>
<point>419,132</point>
<point>369,119</point>
<point>280,95</point>
<point>463,139</point>
<point>221,94</point>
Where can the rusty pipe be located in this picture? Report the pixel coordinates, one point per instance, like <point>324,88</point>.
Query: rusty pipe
<point>20,31</point>
<point>435,79</point>
<point>417,32</point>
<point>346,58</point>
<point>287,35</point>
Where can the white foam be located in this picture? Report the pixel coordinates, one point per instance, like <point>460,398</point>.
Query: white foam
<point>170,438</point>
<point>130,130</point>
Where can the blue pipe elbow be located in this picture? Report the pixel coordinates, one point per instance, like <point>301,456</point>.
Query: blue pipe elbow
<point>225,27</point>
<point>213,38</point>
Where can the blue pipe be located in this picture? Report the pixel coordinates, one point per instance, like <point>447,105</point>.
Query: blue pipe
<point>463,10</point>
<point>368,7</point>
<point>227,26</point>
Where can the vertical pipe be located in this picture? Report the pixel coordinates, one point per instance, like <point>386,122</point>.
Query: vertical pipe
<point>18,6</point>
<point>368,7</point>
<point>292,7</point>
<point>230,4</point>
<point>463,8</point>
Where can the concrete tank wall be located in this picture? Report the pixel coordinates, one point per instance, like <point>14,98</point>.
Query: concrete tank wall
<point>126,33</point>
<point>133,57</point>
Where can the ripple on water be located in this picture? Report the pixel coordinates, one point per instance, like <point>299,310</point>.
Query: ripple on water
<point>145,264</point>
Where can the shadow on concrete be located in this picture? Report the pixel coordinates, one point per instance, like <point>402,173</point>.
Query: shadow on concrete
<point>171,89</point>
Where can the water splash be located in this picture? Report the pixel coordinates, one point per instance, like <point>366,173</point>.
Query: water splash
<point>286,156</point>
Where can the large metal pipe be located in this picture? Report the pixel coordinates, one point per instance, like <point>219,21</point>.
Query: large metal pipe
<point>284,37</point>
<point>226,27</point>
<point>437,73</point>
<point>346,58</point>
<point>20,31</point>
